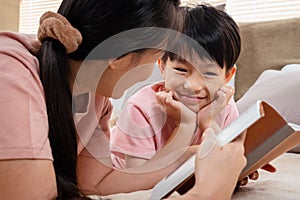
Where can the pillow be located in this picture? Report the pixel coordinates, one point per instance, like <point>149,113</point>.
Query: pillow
<point>281,89</point>
<point>291,67</point>
<point>266,45</point>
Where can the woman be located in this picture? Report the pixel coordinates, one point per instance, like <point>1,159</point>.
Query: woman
<point>43,153</point>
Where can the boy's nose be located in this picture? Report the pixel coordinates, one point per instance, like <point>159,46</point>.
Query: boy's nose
<point>197,85</point>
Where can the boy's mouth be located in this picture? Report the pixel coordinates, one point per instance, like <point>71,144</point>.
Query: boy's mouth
<point>188,98</point>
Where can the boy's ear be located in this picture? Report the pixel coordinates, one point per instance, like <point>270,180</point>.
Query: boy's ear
<point>230,73</point>
<point>161,66</point>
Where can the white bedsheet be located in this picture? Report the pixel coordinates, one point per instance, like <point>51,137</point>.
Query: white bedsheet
<point>281,185</point>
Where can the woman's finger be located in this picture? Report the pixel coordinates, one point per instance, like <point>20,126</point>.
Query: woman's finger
<point>254,175</point>
<point>241,138</point>
<point>244,181</point>
<point>268,167</point>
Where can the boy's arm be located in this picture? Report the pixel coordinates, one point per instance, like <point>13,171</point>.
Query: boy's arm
<point>209,112</point>
<point>185,121</point>
<point>231,114</point>
<point>133,161</point>
<point>181,136</point>
<point>133,136</point>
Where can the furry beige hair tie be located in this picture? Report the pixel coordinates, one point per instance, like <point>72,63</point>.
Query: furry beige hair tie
<point>56,26</point>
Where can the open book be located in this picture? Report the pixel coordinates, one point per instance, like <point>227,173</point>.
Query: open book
<point>268,136</point>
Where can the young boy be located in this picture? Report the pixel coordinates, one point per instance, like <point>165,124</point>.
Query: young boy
<point>143,128</point>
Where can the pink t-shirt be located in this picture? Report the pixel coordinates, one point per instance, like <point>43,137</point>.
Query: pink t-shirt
<point>23,119</point>
<point>92,124</point>
<point>139,129</point>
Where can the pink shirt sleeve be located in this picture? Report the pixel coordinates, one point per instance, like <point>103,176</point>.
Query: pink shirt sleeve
<point>138,131</point>
<point>133,134</point>
<point>93,128</point>
<point>23,119</point>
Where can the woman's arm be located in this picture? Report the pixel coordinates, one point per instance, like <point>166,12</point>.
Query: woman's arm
<point>26,168</point>
<point>94,177</point>
<point>27,179</point>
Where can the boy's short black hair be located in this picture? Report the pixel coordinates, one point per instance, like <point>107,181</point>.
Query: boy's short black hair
<point>215,31</point>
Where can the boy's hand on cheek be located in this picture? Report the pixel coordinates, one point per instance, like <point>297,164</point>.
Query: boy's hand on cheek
<point>175,109</point>
<point>210,111</point>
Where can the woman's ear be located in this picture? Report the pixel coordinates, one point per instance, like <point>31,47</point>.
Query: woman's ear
<point>230,73</point>
<point>123,63</point>
<point>111,63</point>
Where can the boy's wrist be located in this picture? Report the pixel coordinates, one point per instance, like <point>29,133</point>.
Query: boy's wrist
<point>210,124</point>
<point>204,123</point>
<point>190,127</point>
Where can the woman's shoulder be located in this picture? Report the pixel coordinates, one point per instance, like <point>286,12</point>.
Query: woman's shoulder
<point>19,48</point>
<point>27,41</point>
<point>19,68</point>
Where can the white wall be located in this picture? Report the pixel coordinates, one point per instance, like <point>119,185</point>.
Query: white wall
<point>9,15</point>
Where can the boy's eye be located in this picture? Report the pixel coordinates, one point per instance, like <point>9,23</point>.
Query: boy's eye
<point>180,69</point>
<point>210,74</point>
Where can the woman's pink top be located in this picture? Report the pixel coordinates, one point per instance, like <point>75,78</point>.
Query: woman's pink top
<point>23,119</point>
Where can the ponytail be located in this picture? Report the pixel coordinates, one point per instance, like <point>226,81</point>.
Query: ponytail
<point>55,75</point>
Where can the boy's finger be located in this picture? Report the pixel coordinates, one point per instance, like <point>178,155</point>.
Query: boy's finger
<point>227,90</point>
<point>168,98</point>
<point>161,98</point>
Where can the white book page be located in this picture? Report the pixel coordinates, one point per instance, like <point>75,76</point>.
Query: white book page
<point>296,127</point>
<point>167,184</point>
<point>244,121</point>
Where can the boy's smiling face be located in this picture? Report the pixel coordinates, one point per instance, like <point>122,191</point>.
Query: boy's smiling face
<point>195,87</point>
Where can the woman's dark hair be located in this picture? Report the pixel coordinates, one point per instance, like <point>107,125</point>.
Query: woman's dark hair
<point>96,20</point>
<point>215,31</point>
